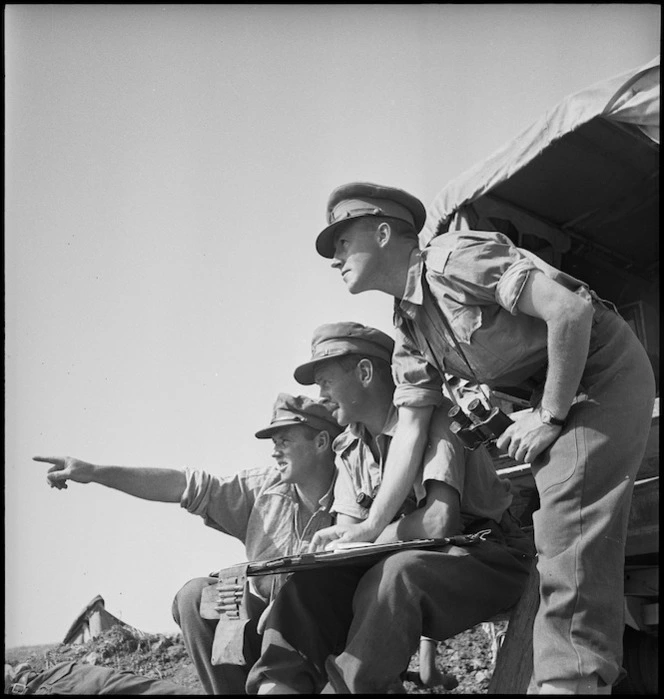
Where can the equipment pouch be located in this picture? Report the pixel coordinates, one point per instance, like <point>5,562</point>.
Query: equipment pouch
<point>226,601</point>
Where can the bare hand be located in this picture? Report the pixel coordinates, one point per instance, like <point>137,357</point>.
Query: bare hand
<point>331,537</point>
<point>65,468</point>
<point>527,437</point>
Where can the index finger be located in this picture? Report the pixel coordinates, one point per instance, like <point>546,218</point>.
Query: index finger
<point>48,459</point>
<point>324,532</point>
<point>504,440</point>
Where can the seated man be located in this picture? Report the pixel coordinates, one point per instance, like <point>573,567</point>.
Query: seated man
<point>273,511</point>
<point>371,618</point>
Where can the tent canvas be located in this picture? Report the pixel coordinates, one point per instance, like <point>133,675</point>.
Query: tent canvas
<point>587,170</point>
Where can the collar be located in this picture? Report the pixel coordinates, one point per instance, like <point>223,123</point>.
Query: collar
<point>413,294</point>
<point>358,432</point>
<point>326,501</point>
<point>287,490</point>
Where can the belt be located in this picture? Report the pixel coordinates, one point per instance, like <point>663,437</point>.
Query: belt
<point>18,688</point>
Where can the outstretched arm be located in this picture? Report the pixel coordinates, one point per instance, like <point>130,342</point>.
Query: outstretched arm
<point>158,484</point>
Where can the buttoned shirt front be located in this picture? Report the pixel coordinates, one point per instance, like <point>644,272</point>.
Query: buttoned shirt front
<point>258,508</point>
<point>483,494</point>
<point>469,283</point>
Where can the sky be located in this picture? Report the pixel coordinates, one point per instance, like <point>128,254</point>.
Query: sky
<point>167,169</point>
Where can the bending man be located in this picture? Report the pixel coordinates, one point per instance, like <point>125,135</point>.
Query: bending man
<point>473,305</point>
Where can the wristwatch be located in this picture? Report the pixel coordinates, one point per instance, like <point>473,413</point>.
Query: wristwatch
<point>546,416</point>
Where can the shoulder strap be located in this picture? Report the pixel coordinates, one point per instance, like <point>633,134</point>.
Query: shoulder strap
<point>443,373</point>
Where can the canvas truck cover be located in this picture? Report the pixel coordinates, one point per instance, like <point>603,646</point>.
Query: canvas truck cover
<point>588,168</point>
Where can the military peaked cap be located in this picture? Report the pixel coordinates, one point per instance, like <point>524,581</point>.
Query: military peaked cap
<point>358,199</point>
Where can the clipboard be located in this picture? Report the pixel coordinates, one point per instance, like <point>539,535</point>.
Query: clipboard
<point>360,553</point>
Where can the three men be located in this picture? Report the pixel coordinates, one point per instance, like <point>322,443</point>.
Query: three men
<point>372,618</point>
<point>274,511</point>
<point>471,304</point>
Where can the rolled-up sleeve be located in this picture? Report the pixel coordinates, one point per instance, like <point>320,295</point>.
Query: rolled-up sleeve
<point>224,503</point>
<point>418,383</point>
<point>485,268</point>
<point>345,496</point>
<point>510,285</point>
<point>444,458</point>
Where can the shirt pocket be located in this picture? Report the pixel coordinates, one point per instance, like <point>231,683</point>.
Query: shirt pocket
<point>464,320</point>
<point>482,354</point>
<point>446,308</point>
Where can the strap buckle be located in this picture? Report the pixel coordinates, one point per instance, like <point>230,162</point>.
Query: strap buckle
<point>469,539</point>
<point>482,535</point>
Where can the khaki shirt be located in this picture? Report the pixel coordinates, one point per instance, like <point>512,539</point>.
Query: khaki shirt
<point>475,278</point>
<point>258,508</point>
<point>483,494</point>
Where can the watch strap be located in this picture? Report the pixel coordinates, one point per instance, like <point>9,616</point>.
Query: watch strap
<point>550,419</point>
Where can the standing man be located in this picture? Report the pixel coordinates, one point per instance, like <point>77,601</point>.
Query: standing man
<point>473,305</point>
<point>274,511</point>
<point>372,617</point>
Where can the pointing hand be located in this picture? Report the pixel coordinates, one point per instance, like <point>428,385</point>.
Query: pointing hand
<point>65,468</point>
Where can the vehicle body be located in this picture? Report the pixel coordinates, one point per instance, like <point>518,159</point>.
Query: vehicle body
<point>580,188</point>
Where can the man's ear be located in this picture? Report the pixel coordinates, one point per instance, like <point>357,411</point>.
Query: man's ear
<point>323,440</point>
<point>365,371</point>
<point>383,234</point>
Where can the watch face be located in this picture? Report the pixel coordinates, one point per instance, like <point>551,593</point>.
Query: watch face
<point>546,416</point>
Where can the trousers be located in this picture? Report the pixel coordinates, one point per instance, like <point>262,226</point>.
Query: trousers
<point>74,678</point>
<point>198,636</point>
<point>372,618</point>
<point>585,482</point>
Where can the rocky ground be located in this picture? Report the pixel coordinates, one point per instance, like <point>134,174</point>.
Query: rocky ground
<point>468,657</point>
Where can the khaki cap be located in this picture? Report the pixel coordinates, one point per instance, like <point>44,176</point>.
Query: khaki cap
<point>300,410</point>
<point>359,199</point>
<point>338,339</point>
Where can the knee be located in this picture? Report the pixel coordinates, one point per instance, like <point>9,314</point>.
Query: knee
<point>385,578</point>
<point>396,570</point>
<point>188,598</point>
